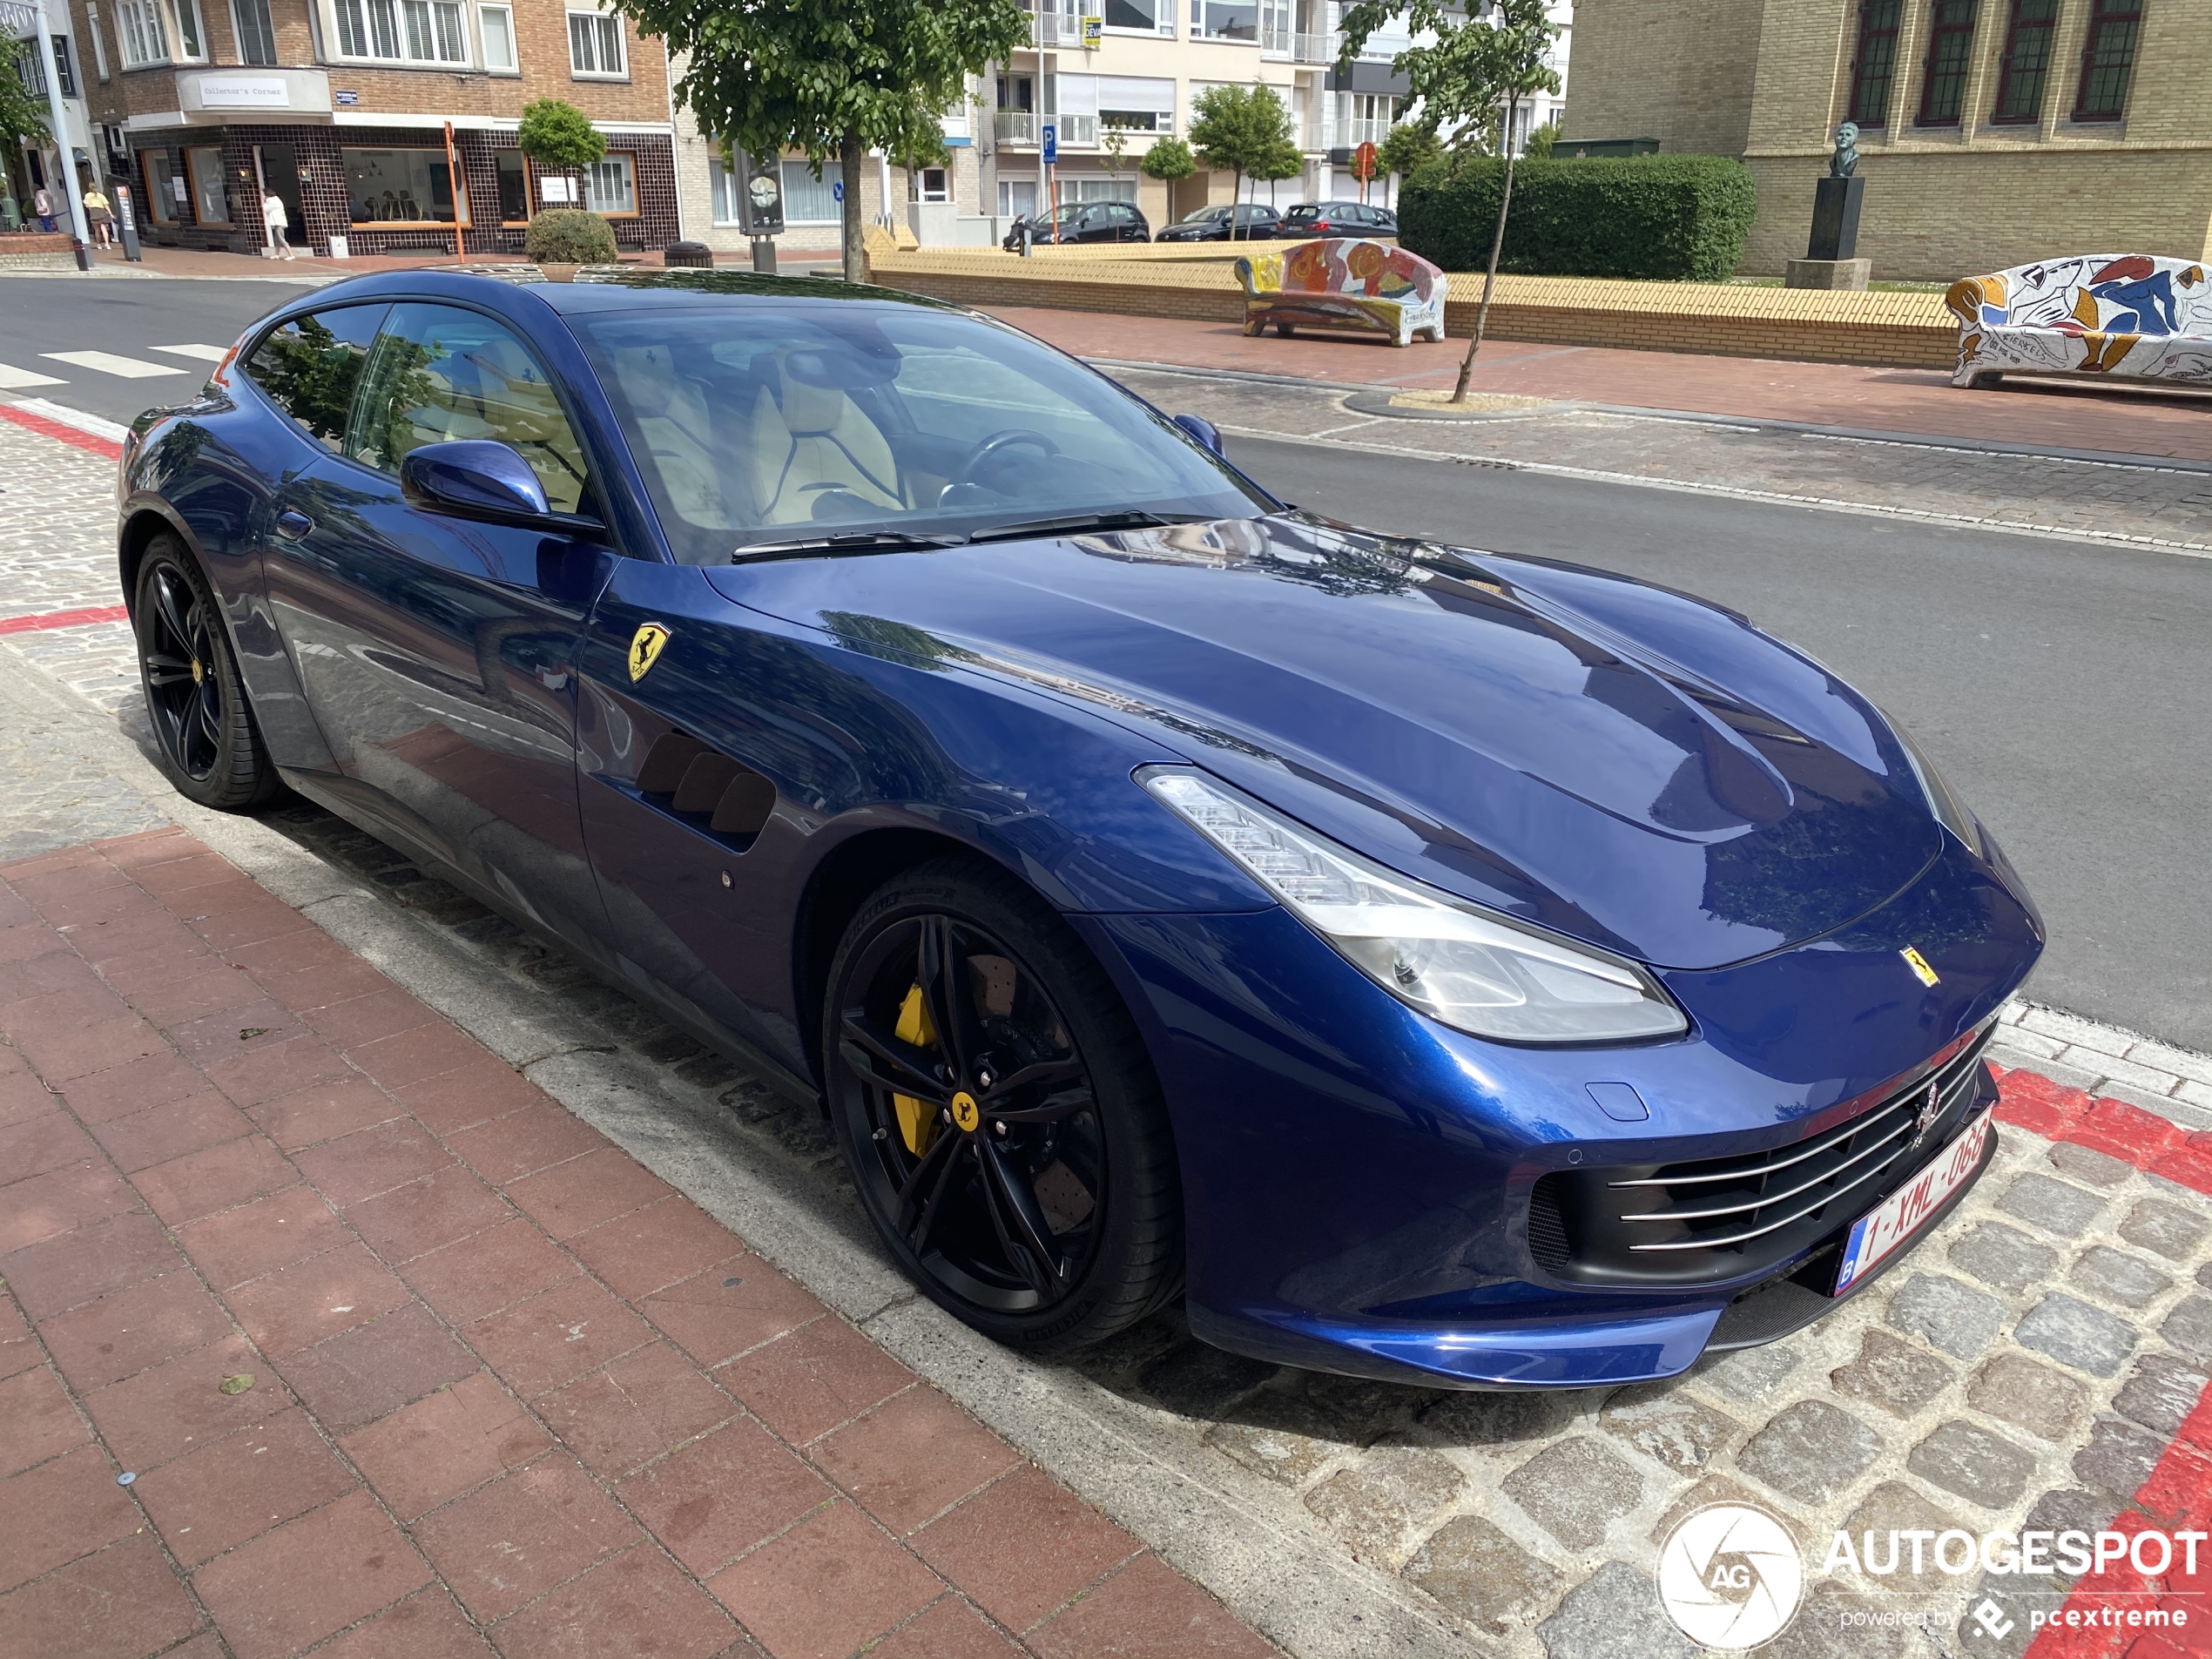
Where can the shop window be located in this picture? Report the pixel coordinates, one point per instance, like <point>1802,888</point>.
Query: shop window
<point>595,44</point>
<point>2028,63</point>
<point>2108,59</point>
<point>1951,51</point>
<point>1874,65</point>
<point>611,185</point>
<point>399,187</point>
<point>209,202</point>
<point>498,24</point>
<point>165,187</point>
<point>256,33</point>
<point>514,188</point>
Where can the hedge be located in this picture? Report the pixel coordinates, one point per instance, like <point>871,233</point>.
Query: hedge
<point>569,236</point>
<point>1683,217</point>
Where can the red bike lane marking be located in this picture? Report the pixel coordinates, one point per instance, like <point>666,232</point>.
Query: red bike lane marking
<point>62,619</point>
<point>48,427</point>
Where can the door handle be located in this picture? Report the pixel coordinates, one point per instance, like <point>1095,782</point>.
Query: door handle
<point>291,523</point>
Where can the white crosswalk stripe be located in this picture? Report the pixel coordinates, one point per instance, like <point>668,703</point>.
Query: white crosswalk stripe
<point>16,380</point>
<point>206,354</point>
<point>129,368</point>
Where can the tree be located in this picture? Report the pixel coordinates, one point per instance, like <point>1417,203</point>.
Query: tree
<point>1539,147</point>
<point>1475,61</point>
<point>1408,148</point>
<point>558,135</point>
<point>1168,160</point>
<point>23,117</point>
<point>1242,130</point>
<point>830,78</point>
<point>1113,143</point>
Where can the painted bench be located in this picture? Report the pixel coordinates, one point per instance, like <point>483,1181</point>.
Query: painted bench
<point>2122,316</point>
<point>1344,283</point>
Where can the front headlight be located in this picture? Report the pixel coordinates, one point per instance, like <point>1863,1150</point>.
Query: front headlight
<point>1476,972</point>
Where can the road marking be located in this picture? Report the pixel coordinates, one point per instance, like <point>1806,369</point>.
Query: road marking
<point>129,368</point>
<point>206,354</point>
<point>76,618</point>
<point>16,380</point>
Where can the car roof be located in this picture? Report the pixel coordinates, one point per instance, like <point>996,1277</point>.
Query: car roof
<point>610,289</point>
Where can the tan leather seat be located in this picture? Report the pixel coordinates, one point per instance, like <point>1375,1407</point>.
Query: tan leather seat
<point>679,430</point>
<point>818,441</point>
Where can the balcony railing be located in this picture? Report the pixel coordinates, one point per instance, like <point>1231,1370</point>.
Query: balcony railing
<point>1019,128</point>
<point>1014,127</point>
<point>1078,131</point>
<point>1351,134</point>
<point>1058,29</point>
<point>1297,47</point>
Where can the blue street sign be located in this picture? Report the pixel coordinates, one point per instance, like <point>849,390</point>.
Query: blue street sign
<point>1051,143</point>
<point>837,190</point>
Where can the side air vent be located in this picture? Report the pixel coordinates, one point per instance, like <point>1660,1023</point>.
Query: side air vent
<point>706,789</point>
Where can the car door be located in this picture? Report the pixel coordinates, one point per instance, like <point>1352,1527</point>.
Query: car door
<point>438,652</point>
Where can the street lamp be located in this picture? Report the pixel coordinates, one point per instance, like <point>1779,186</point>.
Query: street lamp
<point>17,15</point>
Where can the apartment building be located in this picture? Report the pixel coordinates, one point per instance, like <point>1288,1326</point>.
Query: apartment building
<point>340,108</point>
<point>1991,132</point>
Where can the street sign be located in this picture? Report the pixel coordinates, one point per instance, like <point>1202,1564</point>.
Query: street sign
<point>1051,132</point>
<point>837,190</point>
<point>760,204</point>
<point>1365,163</point>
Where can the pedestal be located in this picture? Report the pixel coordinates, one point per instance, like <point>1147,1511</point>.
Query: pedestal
<point>1835,217</point>
<point>1828,274</point>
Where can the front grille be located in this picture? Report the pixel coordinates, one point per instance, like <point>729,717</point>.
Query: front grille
<point>1721,1218</point>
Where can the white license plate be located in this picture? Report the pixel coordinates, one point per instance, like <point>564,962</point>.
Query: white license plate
<point>1906,1210</point>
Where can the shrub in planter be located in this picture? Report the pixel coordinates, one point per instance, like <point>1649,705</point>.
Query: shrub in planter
<point>569,236</point>
<point>1679,218</point>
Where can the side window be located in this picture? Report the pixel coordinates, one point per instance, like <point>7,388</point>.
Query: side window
<point>310,366</point>
<point>439,374</point>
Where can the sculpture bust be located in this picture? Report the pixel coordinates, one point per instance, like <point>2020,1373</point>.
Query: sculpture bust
<point>1845,162</point>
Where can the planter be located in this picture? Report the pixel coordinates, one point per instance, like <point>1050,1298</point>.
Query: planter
<point>559,273</point>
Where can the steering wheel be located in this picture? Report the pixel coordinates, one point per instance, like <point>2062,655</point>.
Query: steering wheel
<point>1012,438</point>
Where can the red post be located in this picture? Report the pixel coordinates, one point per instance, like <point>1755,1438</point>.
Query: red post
<point>452,183</point>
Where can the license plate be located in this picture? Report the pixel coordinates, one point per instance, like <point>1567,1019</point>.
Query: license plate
<point>1889,1223</point>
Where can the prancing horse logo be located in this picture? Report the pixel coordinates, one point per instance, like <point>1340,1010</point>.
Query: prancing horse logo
<point>1931,1109</point>
<point>644,649</point>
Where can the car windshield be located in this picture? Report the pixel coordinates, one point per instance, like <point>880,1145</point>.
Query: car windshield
<point>757,427</point>
<point>1204,216</point>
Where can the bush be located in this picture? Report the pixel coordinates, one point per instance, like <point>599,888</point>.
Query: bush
<point>1678,218</point>
<point>569,236</point>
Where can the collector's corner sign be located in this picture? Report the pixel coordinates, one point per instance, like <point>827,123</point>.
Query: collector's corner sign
<point>1730,1576</point>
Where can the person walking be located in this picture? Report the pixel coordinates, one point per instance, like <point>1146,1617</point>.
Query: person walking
<point>42,202</point>
<point>274,216</point>
<point>101,212</point>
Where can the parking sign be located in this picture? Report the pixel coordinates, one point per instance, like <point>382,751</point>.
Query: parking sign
<point>1051,130</point>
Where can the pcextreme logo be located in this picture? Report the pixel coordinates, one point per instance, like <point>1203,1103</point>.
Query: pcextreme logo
<point>1730,1576</point>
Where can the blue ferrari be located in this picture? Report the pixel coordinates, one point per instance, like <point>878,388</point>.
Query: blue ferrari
<point>1427,963</point>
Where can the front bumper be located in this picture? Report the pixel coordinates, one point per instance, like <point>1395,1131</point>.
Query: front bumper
<point>1357,1178</point>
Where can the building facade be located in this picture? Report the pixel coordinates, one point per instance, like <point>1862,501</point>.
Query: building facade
<point>31,166</point>
<point>1991,132</point>
<point>341,107</point>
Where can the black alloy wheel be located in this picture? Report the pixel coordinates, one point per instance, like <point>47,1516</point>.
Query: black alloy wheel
<point>998,1111</point>
<point>204,731</point>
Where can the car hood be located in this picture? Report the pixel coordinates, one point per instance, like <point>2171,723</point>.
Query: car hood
<point>1616,761</point>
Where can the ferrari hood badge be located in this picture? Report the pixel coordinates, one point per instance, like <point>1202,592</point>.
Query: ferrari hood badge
<point>645,648</point>
<point>1913,960</point>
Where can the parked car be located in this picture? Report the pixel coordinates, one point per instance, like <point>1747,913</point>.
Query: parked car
<point>1255,222</point>
<point>1431,964</point>
<point>1074,222</point>
<point>1310,220</point>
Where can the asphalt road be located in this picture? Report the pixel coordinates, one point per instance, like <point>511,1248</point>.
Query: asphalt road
<point>2065,689</point>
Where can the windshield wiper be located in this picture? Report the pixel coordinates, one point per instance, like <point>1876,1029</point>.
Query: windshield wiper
<point>1133,518</point>
<point>841,541</point>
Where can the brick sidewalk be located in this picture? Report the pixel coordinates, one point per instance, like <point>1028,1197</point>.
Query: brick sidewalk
<point>322,1322</point>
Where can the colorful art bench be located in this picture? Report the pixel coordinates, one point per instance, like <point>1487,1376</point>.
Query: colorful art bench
<point>1344,282</point>
<point>2122,316</point>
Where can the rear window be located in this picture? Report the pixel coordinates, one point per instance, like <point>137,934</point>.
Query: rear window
<point>309,367</point>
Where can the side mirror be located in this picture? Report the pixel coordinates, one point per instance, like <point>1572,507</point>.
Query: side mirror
<point>477,478</point>
<point>1203,429</point>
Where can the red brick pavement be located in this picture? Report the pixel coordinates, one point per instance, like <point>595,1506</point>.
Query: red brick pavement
<point>1921,402</point>
<point>402,1359</point>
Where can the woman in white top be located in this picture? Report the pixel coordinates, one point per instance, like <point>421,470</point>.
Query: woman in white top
<point>274,216</point>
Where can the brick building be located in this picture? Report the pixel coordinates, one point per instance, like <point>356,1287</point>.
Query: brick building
<point>340,107</point>
<point>1992,133</point>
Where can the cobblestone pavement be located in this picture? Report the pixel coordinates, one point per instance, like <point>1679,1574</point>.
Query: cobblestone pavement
<point>2036,1361</point>
<point>2094,500</point>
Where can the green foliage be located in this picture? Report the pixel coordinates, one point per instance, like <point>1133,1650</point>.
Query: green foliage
<point>23,117</point>
<point>1541,141</point>
<point>311,373</point>
<point>1407,148</point>
<point>569,236</point>
<point>1168,160</point>
<point>554,134</point>
<point>1678,218</point>
<point>1475,61</point>
<point>1244,129</point>
<point>1113,146</point>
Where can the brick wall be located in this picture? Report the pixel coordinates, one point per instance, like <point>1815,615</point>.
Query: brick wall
<point>1682,72</point>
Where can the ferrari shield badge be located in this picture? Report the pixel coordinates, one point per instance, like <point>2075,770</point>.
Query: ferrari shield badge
<point>644,650</point>
<point>1913,960</point>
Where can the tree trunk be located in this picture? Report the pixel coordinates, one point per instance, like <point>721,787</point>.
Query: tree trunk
<point>849,170</point>
<point>1236,196</point>
<point>1497,245</point>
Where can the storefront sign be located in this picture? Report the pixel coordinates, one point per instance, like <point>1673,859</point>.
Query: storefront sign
<point>556,190</point>
<point>244,92</point>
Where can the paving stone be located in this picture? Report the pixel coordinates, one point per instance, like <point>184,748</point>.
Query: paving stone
<point>1947,1313</point>
<point>2118,1457</point>
<point>2087,1163</point>
<point>1200,1380</point>
<point>1614,1614</point>
<point>1751,1375</point>
<point>1892,1374</point>
<point>2055,1206</point>
<point>1276,1434</point>
<point>1895,1508</point>
<point>1574,1489</point>
<point>2070,1510</point>
<point>1377,1505</point>
<point>2045,1402</point>
<point>2188,1328</point>
<point>2073,1333</point>
<point>1832,1625</point>
<point>2204,1276</point>
<point>1812,1450</point>
<point>1979,1465</point>
<point>1714,1488</point>
<point>2166,1229</point>
<point>2159,1393</point>
<point>1478,1574</point>
<point>1663,1423</point>
<point>2004,1256</point>
<point>2114,1276</point>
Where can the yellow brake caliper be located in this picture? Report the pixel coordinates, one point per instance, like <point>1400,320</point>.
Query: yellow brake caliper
<point>917,1123</point>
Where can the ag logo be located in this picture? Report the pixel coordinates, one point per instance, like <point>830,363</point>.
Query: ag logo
<point>1730,1576</point>
<point>644,649</point>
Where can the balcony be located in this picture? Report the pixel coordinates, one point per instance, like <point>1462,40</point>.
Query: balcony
<point>1296,46</point>
<point>1058,29</point>
<point>1351,134</point>
<point>1015,127</point>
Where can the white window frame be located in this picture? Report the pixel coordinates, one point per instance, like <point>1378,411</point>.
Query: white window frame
<point>601,28</point>
<point>1163,21</point>
<point>514,64</point>
<point>626,163</point>
<point>188,28</point>
<point>386,31</point>
<point>804,189</point>
<point>237,32</point>
<point>1197,24</point>
<point>141,33</point>
<point>99,46</point>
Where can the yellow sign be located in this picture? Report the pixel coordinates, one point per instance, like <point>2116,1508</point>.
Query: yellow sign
<point>644,649</point>
<point>1094,33</point>
<point>964,1111</point>
<point>1918,964</point>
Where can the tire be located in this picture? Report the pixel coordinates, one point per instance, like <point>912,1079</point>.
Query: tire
<point>1073,1116</point>
<point>205,738</point>
<point>1286,330</point>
